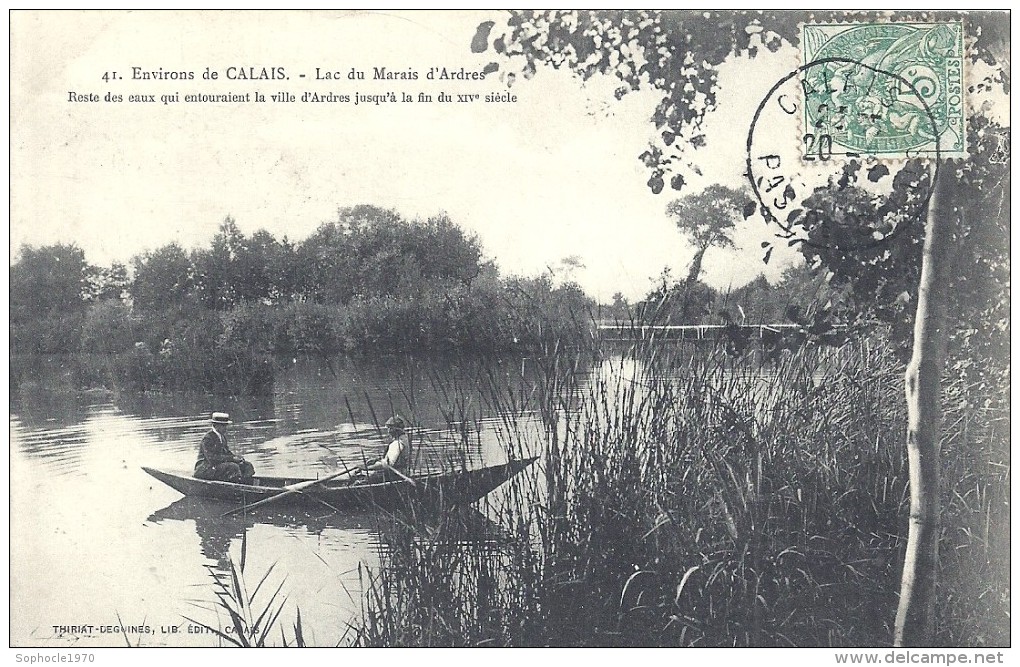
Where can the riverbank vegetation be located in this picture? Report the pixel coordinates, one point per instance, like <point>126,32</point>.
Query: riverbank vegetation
<point>214,318</point>
<point>221,318</point>
<point>843,225</point>
<point>688,495</point>
<point>705,500</point>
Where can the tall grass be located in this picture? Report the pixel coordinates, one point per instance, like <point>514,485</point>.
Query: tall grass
<point>691,498</point>
<point>445,585</point>
<point>710,503</point>
<point>252,621</point>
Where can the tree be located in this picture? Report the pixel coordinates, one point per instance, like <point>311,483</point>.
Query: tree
<point>881,282</point>
<point>107,283</point>
<point>286,272</point>
<point>252,268</point>
<point>957,262</point>
<point>219,278</point>
<point>618,310</point>
<point>48,298</point>
<point>566,268</point>
<point>678,53</point>
<point>51,279</point>
<point>675,302</point>
<point>708,219</point>
<point>444,251</point>
<point>164,278</point>
<point>370,252</point>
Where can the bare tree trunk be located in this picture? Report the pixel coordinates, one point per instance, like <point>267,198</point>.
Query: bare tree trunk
<point>692,277</point>
<point>915,618</point>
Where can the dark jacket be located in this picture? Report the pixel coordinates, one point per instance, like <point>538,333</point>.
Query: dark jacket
<point>213,451</point>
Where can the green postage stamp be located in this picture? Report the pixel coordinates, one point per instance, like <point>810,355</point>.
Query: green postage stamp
<point>890,90</point>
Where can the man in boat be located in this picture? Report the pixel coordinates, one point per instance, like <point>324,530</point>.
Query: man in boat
<point>216,461</point>
<point>397,459</point>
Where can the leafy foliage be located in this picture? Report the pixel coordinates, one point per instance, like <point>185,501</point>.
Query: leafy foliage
<point>801,296</point>
<point>372,252</point>
<point>707,217</point>
<point>679,53</point>
<point>213,318</point>
<point>676,52</point>
<point>870,246</point>
<point>163,278</point>
<point>108,327</point>
<point>49,280</point>
<point>881,278</point>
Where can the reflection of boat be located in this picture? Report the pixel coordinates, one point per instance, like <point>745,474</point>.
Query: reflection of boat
<point>435,489</point>
<point>217,533</point>
<point>315,519</point>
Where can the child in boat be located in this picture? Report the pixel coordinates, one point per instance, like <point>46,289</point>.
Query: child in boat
<point>216,461</point>
<point>397,457</point>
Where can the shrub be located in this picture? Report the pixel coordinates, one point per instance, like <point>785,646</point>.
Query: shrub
<point>108,328</point>
<point>55,333</point>
<point>309,328</point>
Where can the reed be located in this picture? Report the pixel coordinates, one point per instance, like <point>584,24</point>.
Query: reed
<point>689,497</point>
<point>251,619</point>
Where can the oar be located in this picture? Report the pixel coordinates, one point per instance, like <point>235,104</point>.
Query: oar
<point>290,490</point>
<point>400,475</point>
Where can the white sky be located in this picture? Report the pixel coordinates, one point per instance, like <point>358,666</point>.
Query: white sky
<point>554,175</point>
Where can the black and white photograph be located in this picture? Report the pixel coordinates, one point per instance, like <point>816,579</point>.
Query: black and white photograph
<point>558,329</point>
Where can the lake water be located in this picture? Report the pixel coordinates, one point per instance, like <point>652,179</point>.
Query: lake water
<point>99,549</point>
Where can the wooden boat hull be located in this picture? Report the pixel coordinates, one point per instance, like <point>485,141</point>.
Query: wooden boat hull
<point>437,489</point>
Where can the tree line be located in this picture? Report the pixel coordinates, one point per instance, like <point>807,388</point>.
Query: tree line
<point>370,281</point>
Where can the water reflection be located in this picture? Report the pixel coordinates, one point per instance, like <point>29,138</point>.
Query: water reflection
<point>217,531</point>
<point>98,548</point>
<point>352,549</point>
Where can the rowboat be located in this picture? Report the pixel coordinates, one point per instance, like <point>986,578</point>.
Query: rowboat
<point>438,489</point>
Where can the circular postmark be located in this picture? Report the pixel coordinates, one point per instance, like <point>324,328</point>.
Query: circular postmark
<point>808,139</point>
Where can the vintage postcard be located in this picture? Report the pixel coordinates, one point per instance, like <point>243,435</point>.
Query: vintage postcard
<point>510,329</point>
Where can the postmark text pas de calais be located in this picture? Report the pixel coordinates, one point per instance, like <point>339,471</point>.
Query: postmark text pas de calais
<point>889,90</point>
